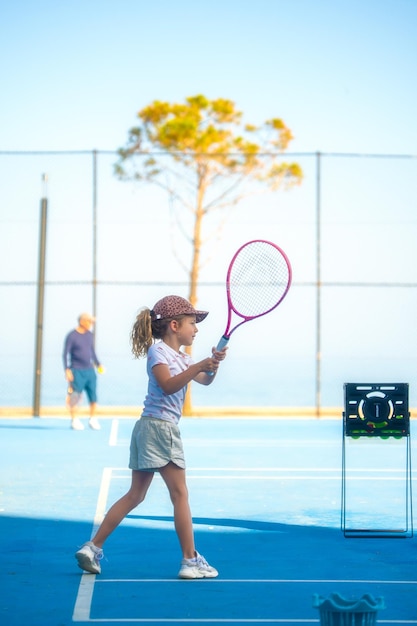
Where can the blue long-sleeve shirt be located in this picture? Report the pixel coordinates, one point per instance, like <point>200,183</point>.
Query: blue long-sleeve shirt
<point>79,351</point>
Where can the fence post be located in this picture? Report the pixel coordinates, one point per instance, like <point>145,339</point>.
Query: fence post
<point>318,284</point>
<point>94,203</point>
<point>40,303</point>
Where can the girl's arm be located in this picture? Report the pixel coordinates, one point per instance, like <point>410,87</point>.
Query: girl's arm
<point>197,371</point>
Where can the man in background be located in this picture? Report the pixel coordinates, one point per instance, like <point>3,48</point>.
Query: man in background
<point>80,361</point>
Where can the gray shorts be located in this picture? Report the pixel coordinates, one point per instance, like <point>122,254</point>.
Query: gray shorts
<point>154,444</point>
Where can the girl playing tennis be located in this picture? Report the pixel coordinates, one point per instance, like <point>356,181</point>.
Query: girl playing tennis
<point>156,444</point>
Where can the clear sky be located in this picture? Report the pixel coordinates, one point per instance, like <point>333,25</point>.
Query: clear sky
<point>341,73</point>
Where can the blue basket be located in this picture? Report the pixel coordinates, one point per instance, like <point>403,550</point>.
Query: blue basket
<point>337,611</point>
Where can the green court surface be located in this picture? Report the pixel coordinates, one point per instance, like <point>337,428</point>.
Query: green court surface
<point>266,501</point>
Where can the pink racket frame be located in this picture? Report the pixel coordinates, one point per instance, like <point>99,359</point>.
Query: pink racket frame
<point>231,309</point>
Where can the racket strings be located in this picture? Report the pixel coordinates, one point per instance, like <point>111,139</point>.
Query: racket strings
<point>258,280</point>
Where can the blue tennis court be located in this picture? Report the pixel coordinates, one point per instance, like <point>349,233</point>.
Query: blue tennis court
<point>266,501</point>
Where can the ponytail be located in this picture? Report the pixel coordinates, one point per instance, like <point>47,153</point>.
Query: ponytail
<point>145,329</point>
<point>141,336</point>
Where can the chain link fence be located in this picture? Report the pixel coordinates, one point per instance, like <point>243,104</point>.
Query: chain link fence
<point>350,231</point>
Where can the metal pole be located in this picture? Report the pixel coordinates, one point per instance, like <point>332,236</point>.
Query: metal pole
<point>94,233</point>
<point>40,300</point>
<point>318,284</point>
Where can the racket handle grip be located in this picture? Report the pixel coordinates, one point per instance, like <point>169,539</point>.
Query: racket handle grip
<point>222,343</point>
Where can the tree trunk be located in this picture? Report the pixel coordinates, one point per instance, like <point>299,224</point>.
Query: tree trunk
<point>194,274</point>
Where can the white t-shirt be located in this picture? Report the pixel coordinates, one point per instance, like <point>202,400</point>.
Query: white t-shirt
<point>157,402</point>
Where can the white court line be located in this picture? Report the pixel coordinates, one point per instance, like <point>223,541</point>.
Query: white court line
<point>291,581</point>
<point>287,469</point>
<point>280,477</point>
<point>102,498</point>
<point>364,470</point>
<point>85,590</point>
<point>84,599</point>
<point>184,620</point>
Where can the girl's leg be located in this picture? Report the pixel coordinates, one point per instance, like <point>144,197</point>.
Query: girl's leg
<point>174,478</point>
<point>136,494</point>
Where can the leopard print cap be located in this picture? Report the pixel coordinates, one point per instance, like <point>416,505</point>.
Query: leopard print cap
<point>171,306</point>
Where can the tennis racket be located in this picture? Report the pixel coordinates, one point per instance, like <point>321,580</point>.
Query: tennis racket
<point>258,279</point>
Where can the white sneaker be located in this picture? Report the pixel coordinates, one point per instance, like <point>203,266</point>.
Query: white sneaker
<point>76,424</point>
<point>197,568</point>
<point>94,424</point>
<point>89,557</point>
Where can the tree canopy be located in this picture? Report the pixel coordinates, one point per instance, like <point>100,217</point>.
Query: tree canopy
<point>213,157</point>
